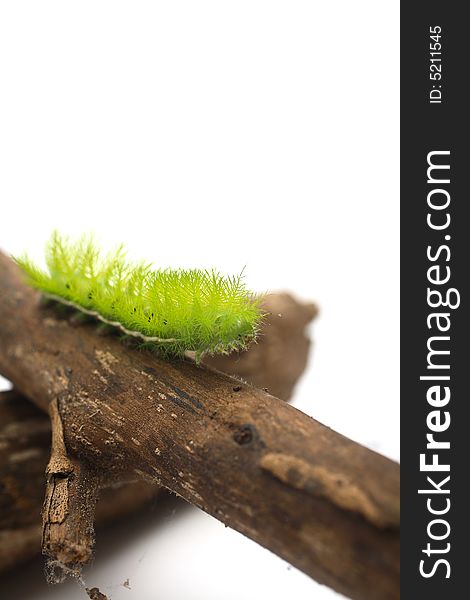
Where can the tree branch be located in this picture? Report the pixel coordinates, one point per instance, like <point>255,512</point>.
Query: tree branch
<point>206,437</point>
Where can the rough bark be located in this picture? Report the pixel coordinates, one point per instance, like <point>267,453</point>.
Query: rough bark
<point>25,439</point>
<point>324,503</point>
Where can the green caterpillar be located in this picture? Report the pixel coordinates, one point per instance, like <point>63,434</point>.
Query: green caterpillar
<point>171,310</point>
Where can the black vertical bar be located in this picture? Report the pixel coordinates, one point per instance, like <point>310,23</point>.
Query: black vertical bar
<point>434,119</point>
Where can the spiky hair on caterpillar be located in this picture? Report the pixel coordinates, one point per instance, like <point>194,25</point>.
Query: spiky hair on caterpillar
<point>170,310</point>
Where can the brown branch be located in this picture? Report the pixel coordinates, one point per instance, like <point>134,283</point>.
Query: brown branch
<point>206,437</point>
<point>25,431</point>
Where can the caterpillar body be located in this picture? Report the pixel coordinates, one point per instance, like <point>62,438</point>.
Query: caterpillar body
<point>170,310</point>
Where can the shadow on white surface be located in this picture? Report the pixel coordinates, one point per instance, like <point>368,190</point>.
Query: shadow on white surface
<point>171,551</point>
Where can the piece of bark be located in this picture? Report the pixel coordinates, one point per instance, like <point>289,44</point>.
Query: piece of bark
<point>95,594</point>
<point>322,502</point>
<point>25,439</point>
<point>280,355</point>
<point>69,507</point>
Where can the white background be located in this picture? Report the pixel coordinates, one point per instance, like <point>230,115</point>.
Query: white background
<point>219,134</point>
